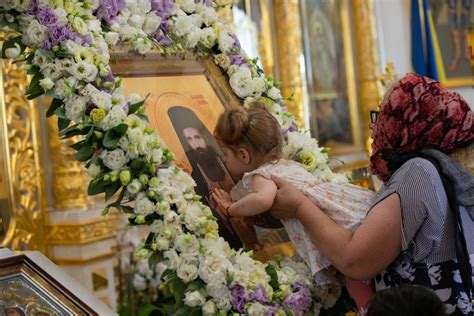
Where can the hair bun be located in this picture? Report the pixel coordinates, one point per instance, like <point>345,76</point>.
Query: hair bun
<point>238,120</point>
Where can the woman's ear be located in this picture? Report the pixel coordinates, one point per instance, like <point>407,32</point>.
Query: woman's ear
<point>244,155</point>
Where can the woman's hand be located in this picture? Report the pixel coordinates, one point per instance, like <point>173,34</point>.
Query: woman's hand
<point>287,201</point>
<point>222,199</point>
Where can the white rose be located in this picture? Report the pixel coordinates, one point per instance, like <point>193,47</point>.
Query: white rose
<point>213,267</point>
<point>41,57</point>
<point>35,34</point>
<point>194,298</point>
<point>139,282</point>
<point>208,14</point>
<point>188,6</point>
<point>143,7</point>
<point>94,170</point>
<point>75,106</point>
<point>274,93</point>
<point>102,99</point>
<point>46,84</point>
<point>61,16</point>
<point>216,287</point>
<point>80,26</point>
<point>209,309</point>
<point>94,26</point>
<point>208,37</point>
<point>111,38</point>
<point>136,21</point>
<point>187,272</point>
<point>70,46</point>
<point>131,6</point>
<point>142,46</point>
<point>242,83</point>
<point>156,156</point>
<point>63,87</point>
<point>129,33</point>
<point>174,261</point>
<point>152,23</point>
<point>83,54</point>
<point>112,119</point>
<point>223,61</point>
<point>13,52</point>
<point>144,206</point>
<point>233,69</point>
<point>123,143</point>
<point>186,242</point>
<point>84,71</point>
<point>162,244</point>
<point>134,186</point>
<point>226,42</point>
<point>114,159</point>
<point>224,301</point>
<point>256,309</point>
<point>259,84</point>
<point>193,37</point>
<point>51,70</point>
<point>183,25</point>
<point>135,135</point>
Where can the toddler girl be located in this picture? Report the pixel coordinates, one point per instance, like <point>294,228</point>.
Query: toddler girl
<point>252,143</point>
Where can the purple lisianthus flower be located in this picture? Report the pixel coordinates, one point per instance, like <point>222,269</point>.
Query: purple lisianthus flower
<point>161,38</point>
<point>162,7</point>
<point>125,107</point>
<point>238,298</point>
<point>60,33</point>
<point>47,45</point>
<point>273,310</point>
<point>46,16</point>
<point>32,7</point>
<point>236,45</point>
<point>293,127</point>
<point>236,59</point>
<point>108,9</point>
<point>258,294</point>
<point>300,300</point>
<point>87,40</point>
<point>89,107</point>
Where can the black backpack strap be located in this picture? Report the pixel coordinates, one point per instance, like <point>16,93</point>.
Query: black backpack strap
<point>462,253</point>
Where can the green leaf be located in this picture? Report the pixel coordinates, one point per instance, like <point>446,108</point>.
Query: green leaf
<point>35,92</point>
<point>96,186</point>
<point>125,209</point>
<point>270,269</point>
<point>138,165</point>
<point>63,123</point>
<point>11,43</point>
<point>134,107</point>
<point>111,189</point>
<point>85,153</point>
<point>56,103</point>
<point>113,135</point>
<point>79,144</point>
<point>154,259</point>
<point>195,285</point>
<point>70,132</point>
<point>61,113</point>
<point>147,310</point>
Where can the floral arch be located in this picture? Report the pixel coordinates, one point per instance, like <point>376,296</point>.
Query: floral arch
<point>64,45</point>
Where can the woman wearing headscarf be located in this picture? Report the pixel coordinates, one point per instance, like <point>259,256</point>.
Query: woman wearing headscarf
<point>420,229</point>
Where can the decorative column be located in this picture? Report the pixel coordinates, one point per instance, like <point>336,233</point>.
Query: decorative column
<point>367,63</point>
<point>289,45</point>
<point>23,217</point>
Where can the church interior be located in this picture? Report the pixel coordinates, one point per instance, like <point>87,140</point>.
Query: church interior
<point>110,156</point>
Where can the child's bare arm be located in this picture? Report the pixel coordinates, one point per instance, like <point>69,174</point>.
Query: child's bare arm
<point>259,201</point>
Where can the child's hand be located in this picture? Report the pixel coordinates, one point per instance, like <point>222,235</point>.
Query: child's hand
<point>222,199</point>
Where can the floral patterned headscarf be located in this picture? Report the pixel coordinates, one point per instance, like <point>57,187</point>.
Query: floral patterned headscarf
<point>418,113</point>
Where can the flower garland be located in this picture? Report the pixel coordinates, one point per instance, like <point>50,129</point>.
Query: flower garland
<point>65,46</point>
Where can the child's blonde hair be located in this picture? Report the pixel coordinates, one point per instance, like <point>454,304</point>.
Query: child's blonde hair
<point>255,127</point>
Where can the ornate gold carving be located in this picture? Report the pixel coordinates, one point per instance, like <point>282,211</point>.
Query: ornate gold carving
<point>70,179</point>
<point>82,233</point>
<point>367,62</point>
<point>290,48</point>
<point>265,39</point>
<point>20,131</point>
<point>224,10</point>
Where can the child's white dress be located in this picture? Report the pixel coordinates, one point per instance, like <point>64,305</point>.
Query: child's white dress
<point>345,203</point>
